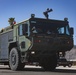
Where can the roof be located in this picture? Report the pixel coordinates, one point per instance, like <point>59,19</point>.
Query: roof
<point>49,20</point>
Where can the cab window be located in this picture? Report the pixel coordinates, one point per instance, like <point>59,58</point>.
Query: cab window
<point>20,30</point>
<point>23,29</point>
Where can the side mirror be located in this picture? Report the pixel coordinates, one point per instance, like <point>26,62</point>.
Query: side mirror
<point>71,31</point>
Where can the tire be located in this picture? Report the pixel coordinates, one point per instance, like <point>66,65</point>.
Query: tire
<point>64,65</point>
<point>69,65</point>
<point>14,60</point>
<point>49,63</point>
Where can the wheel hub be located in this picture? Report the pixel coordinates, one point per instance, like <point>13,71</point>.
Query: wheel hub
<point>13,59</point>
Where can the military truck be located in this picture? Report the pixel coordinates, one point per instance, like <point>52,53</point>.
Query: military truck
<point>37,41</point>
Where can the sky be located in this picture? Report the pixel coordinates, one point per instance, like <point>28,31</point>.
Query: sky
<point>22,9</point>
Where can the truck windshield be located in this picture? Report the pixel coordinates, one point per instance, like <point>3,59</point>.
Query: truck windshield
<point>49,28</point>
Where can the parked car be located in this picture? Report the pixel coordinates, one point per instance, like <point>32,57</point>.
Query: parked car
<point>64,62</point>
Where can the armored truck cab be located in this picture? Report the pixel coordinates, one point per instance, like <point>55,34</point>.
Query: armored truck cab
<point>35,40</point>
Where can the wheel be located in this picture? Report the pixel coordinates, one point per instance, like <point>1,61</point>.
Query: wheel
<point>64,65</point>
<point>49,63</point>
<point>69,65</point>
<point>14,60</point>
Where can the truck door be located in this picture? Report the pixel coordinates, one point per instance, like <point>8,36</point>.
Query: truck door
<point>23,33</point>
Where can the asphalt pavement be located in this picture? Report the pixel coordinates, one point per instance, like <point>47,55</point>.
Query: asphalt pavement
<point>33,70</point>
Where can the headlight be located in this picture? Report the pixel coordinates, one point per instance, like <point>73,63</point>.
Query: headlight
<point>33,52</point>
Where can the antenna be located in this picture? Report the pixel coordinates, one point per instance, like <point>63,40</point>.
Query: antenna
<point>46,12</point>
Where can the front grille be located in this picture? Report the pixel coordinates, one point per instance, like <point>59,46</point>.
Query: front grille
<point>51,44</point>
